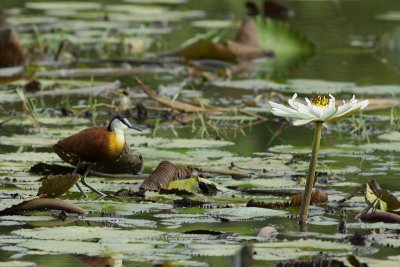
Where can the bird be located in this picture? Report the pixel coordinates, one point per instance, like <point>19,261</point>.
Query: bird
<point>93,145</point>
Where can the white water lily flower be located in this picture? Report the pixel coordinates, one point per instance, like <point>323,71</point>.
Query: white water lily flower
<point>319,109</point>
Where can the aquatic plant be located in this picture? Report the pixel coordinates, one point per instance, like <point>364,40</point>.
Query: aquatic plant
<point>319,109</point>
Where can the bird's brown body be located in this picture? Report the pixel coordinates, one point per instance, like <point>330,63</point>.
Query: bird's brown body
<point>96,144</point>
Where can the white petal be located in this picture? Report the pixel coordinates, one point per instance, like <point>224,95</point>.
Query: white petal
<point>318,111</point>
<point>363,104</point>
<point>301,122</point>
<point>329,111</point>
<point>284,109</point>
<point>308,102</point>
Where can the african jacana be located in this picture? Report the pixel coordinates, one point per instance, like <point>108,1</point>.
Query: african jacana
<point>96,144</point>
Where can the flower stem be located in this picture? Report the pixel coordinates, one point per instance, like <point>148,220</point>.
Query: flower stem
<point>305,204</point>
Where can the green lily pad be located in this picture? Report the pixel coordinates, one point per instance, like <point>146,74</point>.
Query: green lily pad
<point>195,143</point>
<point>152,2</point>
<point>75,233</point>
<point>392,136</point>
<point>245,213</point>
<point>387,147</point>
<point>213,24</point>
<point>17,264</point>
<point>63,5</point>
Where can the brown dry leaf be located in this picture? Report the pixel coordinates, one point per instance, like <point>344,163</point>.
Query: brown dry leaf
<point>160,177</point>
<point>11,53</point>
<point>317,197</point>
<point>380,216</point>
<point>56,185</point>
<point>43,204</point>
<point>207,49</point>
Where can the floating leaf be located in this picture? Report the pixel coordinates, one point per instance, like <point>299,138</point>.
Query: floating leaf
<point>63,5</point>
<point>188,185</point>
<point>245,213</point>
<point>392,136</point>
<point>195,143</point>
<point>71,233</point>
<point>55,185</point>
<point>152,2</point>
<point>212,24</point>
<point>18,264</point>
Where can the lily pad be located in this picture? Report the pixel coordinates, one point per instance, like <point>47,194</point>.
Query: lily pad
<point>195,143</point>
<point>75,233</point>
<point>63,5</point>
<point>392,136</point>
<point>245,213</point>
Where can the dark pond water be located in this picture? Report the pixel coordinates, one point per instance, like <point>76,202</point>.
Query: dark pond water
<point>356,42</point>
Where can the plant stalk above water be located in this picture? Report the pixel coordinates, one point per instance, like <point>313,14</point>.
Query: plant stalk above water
<point>305,204</point>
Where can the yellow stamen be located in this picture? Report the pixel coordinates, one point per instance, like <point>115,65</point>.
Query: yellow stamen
<point>319,100</point>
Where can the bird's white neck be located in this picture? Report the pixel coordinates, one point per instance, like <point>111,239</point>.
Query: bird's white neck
<point>119,134</point>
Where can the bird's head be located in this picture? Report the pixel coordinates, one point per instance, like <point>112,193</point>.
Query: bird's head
<point>120,123</point>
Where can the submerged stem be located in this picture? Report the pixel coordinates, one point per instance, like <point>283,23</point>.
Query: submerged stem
<point>305,204</point>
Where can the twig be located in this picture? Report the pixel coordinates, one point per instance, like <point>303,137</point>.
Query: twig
<point>177,105</point>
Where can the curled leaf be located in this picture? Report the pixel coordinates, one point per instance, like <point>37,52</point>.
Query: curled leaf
<point>56,185</point>
<point>161,177</point>
<point>11,53</point>
<point>380,198</point>
<point>43,204</point>
<point>380,216</point>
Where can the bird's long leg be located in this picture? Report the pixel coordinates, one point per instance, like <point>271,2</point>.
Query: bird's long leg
<point>88,186</point>
<point>77,184</point>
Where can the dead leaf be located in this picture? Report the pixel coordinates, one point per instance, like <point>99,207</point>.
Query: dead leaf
<point>317,197</point>
<point>380,216</point>
<point>380,198</point>
<point>228,50</point>
<point>163,175</point>
<point>56,185</point>
<point>11,53</point>
<point>43,204</point>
